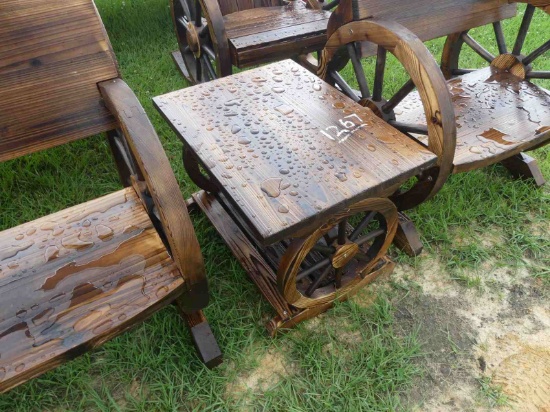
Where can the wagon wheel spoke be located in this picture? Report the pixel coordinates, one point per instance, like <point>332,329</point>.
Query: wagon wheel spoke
<point>536,53</point>
<point>198,20</point>
<point>362,225</point>
<point>410,127</point>
<point>358,69</point>
<point>526,22</point>
<point>378,87</point>
<point>368,245</point>
<point>398,96</point>
<point>343,85</point>
<point>499,34</point>
<point>478,48</point>
<point>209,68</point>
<point>315,284</point>
<point>538,75</point>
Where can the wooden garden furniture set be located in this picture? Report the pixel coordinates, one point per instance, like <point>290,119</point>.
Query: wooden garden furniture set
<point>76,278</point>
<point>304,184</point>
<point>302,175</point>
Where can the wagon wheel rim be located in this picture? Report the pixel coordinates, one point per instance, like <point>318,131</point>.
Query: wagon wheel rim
<point>194,40</point>
<point>508,54</point>
<point>374,95</point>
<point>338,258</point>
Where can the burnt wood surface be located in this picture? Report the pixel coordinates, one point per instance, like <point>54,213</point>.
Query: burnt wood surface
<point>74,279</point>
<point>497,114</point>
<point>426,18</point>
<point>71,280</point>
<point>263,274</point>
<point>287,148</point>
<point>267,34</point>
<point>52,55</point>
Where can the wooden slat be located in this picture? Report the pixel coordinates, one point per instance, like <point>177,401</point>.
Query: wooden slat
<point>232,6</point>
<point>52,54</point>
<point>253,263</point>
<point>496,115</point>
<point>270,33</point>
<point>430,19</point>
<point>265,136</point>
<point>72,280</point>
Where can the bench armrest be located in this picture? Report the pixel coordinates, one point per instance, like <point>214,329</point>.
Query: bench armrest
<point>162,186</point>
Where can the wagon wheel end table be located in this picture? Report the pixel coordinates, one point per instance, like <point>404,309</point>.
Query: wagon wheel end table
<point>296,179</point>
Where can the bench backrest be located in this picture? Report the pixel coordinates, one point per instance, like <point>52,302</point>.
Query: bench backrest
<point>52,55</point>
<point>232,6</point>
<point>428,19</point>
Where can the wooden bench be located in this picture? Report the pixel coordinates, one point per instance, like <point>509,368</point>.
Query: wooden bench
<point>215,35</point>
<point>490,114</point>
<point>74,279</point>
<point>296,178</point>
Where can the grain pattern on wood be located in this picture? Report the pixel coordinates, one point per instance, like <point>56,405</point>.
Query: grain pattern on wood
<point>497,116</point>
<point>425,75</point>
<point>426,18</point>
<point>289,149</point>
<point>278,325</point>
<point>252,261</point>
<point>74,279</point>
<point>271,33</point>
<point>357,275</point>
<point>53,54</point>
<point>162,187</point>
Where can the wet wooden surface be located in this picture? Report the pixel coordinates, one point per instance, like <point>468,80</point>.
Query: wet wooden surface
<point>270,33</point>
<point>52,55</point>
<point>496,114</point>
<point>71,280</point>
<point>429,19</point>
<point>263,274</point>
<point>287,148</point>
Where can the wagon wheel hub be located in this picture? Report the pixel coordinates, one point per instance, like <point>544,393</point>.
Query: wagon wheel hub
<point>344,254</point>
<point>193,40</point>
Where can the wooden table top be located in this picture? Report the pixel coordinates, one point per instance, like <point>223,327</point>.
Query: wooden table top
<point>288,149</point>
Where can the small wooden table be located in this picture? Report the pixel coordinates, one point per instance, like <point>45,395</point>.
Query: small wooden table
<point>296,179</point>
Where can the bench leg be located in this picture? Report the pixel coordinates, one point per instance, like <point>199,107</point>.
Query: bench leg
<point>203,338</point>
<point>407,237</point>
<point>523,166</point>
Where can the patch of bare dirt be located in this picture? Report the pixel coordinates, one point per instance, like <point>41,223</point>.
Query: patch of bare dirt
<point>268,372</point>
<point>500,330</point>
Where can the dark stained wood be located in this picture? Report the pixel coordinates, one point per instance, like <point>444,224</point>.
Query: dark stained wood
<point>358,275</point>
<point>267,34</point>
<point>523,166</point>
<point>497,116</point>
<point>277,324</point>
<point>162,186</point>
<point>254,264</point>
<point>74,279</point>
<point>203,338</point>
<point>52,55</point>
<point>287,148</point>
<point>426,18</point>
<point>262,274</point>
<point>407,237</point>
<point>424,73</point>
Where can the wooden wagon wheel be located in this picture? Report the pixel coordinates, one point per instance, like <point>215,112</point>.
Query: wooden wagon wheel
<point>424,75</point>
<point>195,34</point>
<point>510,57</point>
<point>337,258</point>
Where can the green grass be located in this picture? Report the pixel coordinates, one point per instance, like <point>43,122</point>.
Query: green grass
<point>349,359</point>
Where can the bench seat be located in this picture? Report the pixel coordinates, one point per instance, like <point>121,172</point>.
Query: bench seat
<point>496,116</point>
<point>74,279</point>
<point>266,34</point>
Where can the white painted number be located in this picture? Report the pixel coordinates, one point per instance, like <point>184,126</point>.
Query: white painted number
<point>348,127</point>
